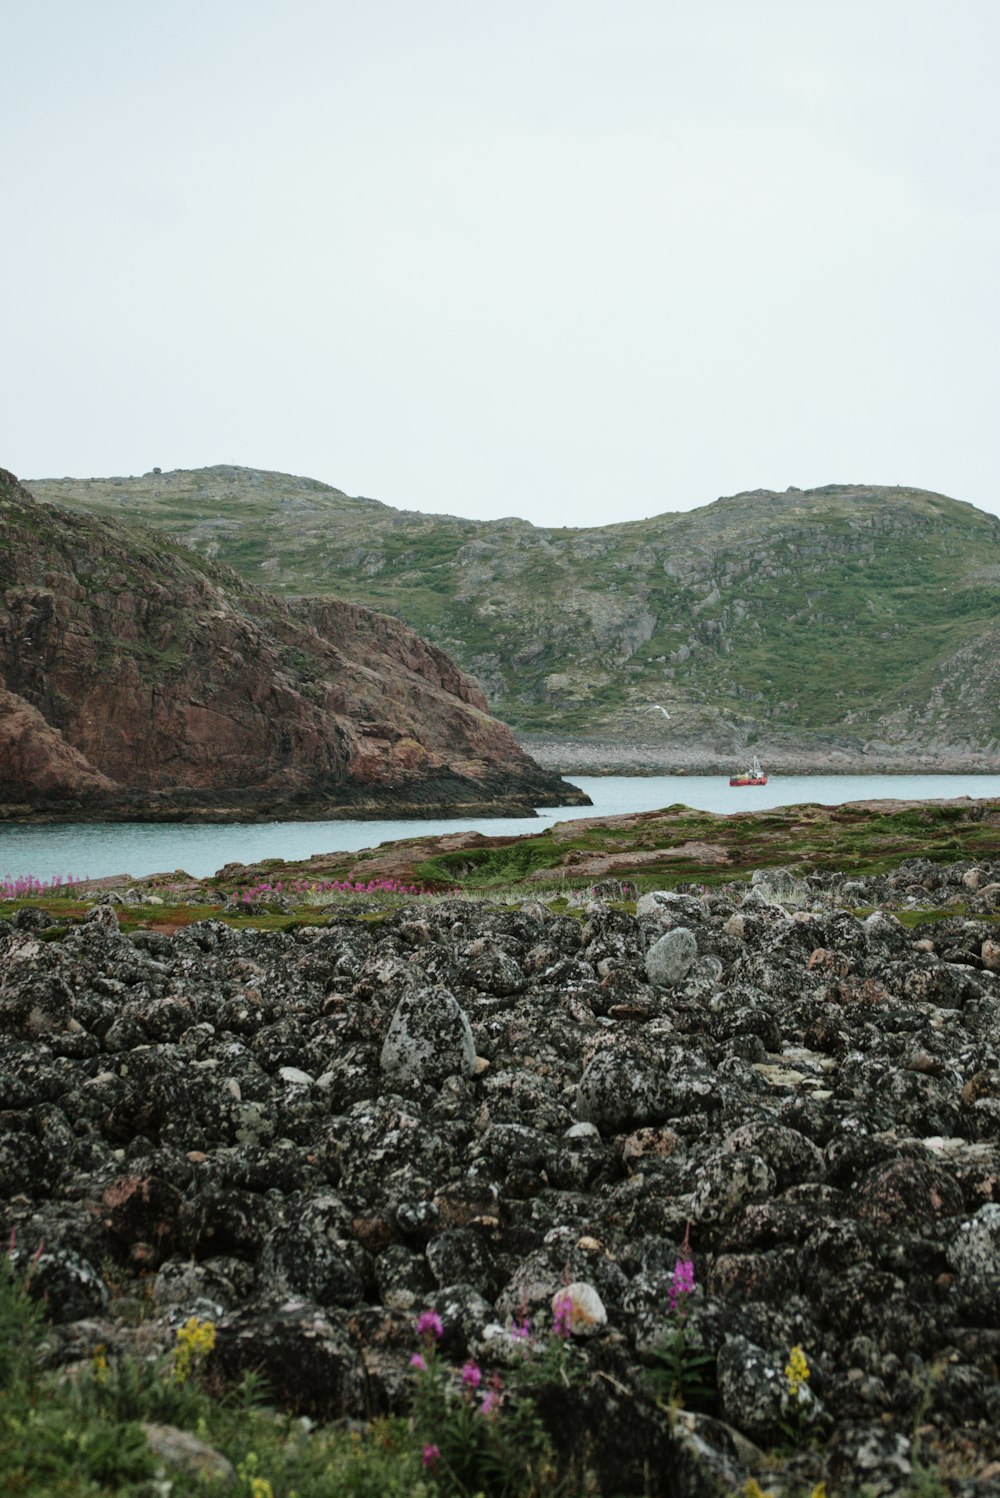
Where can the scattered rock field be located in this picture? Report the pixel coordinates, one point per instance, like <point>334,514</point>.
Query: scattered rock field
<point>310,1137</point>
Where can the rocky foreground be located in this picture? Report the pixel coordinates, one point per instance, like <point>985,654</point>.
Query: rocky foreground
<point>311,1137</point>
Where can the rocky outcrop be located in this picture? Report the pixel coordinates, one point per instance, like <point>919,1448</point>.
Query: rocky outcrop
<point>292,1135</point>
<point>144,681</point>
<point>34,754</point>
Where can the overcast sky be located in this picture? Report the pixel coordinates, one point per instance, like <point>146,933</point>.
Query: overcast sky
<point>576,260</point>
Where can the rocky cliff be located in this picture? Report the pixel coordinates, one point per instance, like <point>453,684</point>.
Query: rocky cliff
<point>848,625</point>
<point>138,678</point>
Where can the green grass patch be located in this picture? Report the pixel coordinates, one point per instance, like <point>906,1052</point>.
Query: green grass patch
<point>84,1437</point>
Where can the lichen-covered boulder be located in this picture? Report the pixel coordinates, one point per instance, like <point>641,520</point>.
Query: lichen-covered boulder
<point>726,1180</point>
<point>69,1287</point>
<point>777,886</point>
<point>974,1255</point>
<point>908,1193</point>
<point>790,1155</point>
<point>670,959</point>
<point>306,1354</point>
<point>758,1397</point>
<point>429,1038</point>
<point>315,1255</point>
<point>622,1088</point>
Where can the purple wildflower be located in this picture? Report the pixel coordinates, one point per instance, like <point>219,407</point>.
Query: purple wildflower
<point>431,1455</point>
<point>493,1396</point>
<point>682,1283</point>
<point>521,1329</point>
<point>562,1316</point>
<point>472,1375</point>
<point>417,1361</point>
<point>429,1325</point>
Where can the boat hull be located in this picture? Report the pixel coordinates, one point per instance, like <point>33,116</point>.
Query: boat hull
<point>748,780</point>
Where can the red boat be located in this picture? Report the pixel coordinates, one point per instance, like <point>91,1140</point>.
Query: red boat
<point>754,776</point>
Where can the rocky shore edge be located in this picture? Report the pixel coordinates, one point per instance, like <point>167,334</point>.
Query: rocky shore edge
<point>788,1086</point>
<point>602,756</point>
<point>443,799</point>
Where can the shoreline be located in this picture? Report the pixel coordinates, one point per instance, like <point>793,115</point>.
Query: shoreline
<point>17,814</point>
<point>585,756</point>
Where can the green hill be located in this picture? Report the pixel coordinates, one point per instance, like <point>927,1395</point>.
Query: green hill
<point>847,614</point>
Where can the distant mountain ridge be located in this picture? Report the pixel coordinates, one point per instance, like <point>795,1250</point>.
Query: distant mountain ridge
<point>850,618</point>
<point>138,678</point>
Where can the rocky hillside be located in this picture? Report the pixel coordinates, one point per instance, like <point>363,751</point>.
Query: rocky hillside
<point>847,622</point>
<point>136,676</point>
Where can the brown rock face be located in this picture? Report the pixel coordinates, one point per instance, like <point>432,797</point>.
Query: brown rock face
<point>34,753</point>
<point>138,676</point>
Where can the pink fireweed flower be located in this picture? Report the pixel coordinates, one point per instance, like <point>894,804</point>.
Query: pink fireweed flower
<point>429,1325</point>
<point>562,1316</point>
<point>493,1397</point>
<point>472,1375</point>
<point>521,1329</point>
<point>682,1283</point>
<point>431,1455</point>
<point>417,1361</point>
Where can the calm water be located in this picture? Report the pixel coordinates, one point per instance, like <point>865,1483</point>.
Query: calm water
<point>93,851</point>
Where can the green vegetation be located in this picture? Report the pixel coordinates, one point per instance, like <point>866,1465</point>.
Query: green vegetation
<point>84,1437</point>
<point>710,849</point>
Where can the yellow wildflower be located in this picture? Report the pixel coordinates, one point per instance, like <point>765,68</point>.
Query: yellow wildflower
<point>819,1491</point>
<point>195,1340</point>
<point>260,1488</point>
<point>99,1364</point>
<point>796,1372</point>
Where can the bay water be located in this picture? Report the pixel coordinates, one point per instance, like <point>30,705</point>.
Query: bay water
<point>96,850</point>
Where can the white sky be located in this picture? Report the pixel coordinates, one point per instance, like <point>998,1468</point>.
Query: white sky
<point>576,260</point>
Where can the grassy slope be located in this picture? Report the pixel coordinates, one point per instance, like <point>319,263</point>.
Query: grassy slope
<point>834,611</point>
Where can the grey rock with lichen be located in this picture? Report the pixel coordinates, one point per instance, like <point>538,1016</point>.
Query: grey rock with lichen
<point>974,1255</point>
<point>429,1038</point>
<point>671,958</point>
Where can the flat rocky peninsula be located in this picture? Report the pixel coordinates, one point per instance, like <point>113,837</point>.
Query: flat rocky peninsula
<point>641,753</point>
<point>715,1162</point>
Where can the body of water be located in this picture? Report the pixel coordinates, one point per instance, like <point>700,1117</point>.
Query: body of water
<point>96,850</point>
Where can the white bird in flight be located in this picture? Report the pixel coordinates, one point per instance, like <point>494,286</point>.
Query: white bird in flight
<point>654,707</point>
